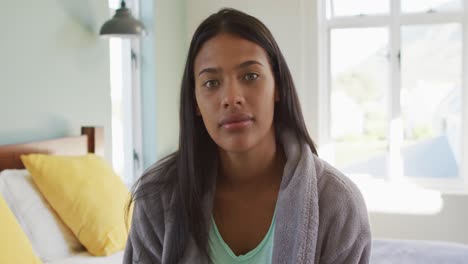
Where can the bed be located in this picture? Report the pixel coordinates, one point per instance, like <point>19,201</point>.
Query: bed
<point>52,241</point>
<point>418,252</point>
<point>91,140</point>
<point>71,252</point>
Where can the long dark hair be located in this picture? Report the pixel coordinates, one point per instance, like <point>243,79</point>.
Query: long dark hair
<point>186,172</point>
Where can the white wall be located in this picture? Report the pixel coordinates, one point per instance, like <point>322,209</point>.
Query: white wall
<point>54,70</point>
<point>450,224</point>
<point>174,25</point>
<point>294,25</point>
<point>291,24</point>
<point>171,48</point>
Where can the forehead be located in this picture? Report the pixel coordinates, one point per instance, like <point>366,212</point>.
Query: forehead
<point>227,50</point>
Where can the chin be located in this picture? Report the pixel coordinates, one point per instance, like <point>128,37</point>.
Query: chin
<point>235,149</point>
<point>236,144</point>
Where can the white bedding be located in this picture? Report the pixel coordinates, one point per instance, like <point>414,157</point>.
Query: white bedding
<point>85,258</point>
<point>49,236</point>
<point>418,252</point>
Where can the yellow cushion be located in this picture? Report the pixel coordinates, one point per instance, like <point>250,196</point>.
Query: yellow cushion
<point>87,195</point>
<point>14,245</point>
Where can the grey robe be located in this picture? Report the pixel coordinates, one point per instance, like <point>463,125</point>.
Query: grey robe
<point>321,217</point>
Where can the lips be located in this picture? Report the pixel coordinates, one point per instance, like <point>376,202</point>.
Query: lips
<point>235,118</point>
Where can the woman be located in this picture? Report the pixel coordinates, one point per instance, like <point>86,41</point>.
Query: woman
<point>245,185</point>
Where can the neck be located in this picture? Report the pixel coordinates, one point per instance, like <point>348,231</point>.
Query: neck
<point>260,167</point>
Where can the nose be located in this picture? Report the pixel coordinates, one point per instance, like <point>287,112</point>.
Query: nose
<point>232,96</point>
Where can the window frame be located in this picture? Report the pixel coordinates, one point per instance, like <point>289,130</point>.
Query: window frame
<point>393,21</point>
<point>137,128</point>
<point>129,75</point>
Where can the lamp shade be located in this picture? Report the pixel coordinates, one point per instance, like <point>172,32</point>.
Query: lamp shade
<point>123,25</point>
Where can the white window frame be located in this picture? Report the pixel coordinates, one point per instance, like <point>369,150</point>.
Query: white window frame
<point>136,100</point>
<point>128,77</point>
<point>393,22</point>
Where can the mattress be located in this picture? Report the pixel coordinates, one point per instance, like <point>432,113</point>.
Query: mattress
<point>418,252</point>
<point>383,252</point>
<point>85,258</point>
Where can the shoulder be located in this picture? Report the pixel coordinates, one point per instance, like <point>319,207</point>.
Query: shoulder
<point>335,187</point>
<point>344,230</point>
<point>145,240</point>
<point>340,200</point>
<point>152,197</point>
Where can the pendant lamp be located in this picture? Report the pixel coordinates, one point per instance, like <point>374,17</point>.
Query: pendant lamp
<point>123,25</point>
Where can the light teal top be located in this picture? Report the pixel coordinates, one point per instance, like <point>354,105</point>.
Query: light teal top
<point>222,254</point>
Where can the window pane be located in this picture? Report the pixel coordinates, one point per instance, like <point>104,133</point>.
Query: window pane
<point>114,4</point>
<point>357,7</point>
<point>409,6</point>
<point>430,100</point>
<point>359,68</point>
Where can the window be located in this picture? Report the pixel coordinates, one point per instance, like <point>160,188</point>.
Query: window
<point>394,88</point>
<point>125,97</point>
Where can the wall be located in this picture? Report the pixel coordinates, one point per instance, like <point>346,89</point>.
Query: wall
<point>162,67</point>
<point>294,25</point>
<point>291,24</point>
<point>54,70</point>
<point>148,84</point>
<point>450,224</point>
<point>172,29</point>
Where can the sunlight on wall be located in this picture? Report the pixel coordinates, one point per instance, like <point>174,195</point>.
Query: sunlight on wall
<point>116,64</point>
<point>121,98</point>
<point>398,198</point>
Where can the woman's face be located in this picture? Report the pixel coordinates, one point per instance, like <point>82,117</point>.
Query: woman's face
<point>235,92</point>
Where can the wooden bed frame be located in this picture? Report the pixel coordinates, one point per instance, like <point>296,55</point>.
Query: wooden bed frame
<point>90,141</point>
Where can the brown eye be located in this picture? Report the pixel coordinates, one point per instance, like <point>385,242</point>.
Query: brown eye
<point>211,83</point>
<point>251,76</point>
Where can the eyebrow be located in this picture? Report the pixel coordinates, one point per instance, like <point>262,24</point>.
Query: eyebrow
<point>248,63</point>
<point>242,65</point>
<point>209,70</point>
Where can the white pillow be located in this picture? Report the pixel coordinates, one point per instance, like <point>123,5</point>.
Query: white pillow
<point>50,237</point>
